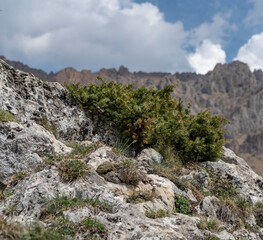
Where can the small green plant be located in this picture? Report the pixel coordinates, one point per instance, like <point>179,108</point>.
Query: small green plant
<point>160,213</point>
<point>212,225</point>
<point>182,204</point>
<point>93,225</point>
<point>71,169</point>
<point>50,159</point>
<point>58,204</point>
<point>6,116</point>
<point>95,202</point>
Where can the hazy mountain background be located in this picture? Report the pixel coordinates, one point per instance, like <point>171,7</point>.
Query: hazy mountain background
<point>230,89</point>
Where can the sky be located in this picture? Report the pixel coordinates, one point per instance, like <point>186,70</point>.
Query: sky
<point>143,35</point>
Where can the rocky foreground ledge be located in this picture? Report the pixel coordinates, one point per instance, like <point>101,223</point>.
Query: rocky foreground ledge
<point>63,177</point>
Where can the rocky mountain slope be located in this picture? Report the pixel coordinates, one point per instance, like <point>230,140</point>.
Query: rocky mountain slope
<point>230,89</point>
<point>63,176</point>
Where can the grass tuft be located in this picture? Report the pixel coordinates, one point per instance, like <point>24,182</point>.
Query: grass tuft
<point>71,169</point>
<point>6,116</point>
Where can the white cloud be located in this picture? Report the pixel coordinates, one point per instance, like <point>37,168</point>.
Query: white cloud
<point>214,30</point>
<point>255,14</point>
<point>98,33</point>
<point>91,34</point>
<point>252,52</point>
<point>206,56</point>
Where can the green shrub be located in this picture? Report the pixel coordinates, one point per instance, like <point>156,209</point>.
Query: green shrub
<point>151,117</point>
<point>6,116</point>
<point>182,204</point>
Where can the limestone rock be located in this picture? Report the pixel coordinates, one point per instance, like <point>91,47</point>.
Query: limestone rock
<point>102,155</point>
<point>21,147</point>
<point>230,157</point>
<point>29,98</point>
<point>242,177</point>
<point>148,157</point>
<point>207,206</point>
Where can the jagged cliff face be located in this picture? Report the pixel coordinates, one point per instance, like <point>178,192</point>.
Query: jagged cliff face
<point>231,90</point>
<point>110,198</point>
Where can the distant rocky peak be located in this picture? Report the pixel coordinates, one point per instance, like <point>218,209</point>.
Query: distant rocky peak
<point>123,71</point>
<point>233,65</point>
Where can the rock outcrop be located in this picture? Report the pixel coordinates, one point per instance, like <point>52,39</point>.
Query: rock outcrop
<point>230,89</point>
<point>108,196</point>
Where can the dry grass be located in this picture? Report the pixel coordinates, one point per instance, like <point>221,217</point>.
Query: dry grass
<point>9,231</point>
<point>160,213</point>
<point>129,172</point>
<point>170,173</point>
<point>210,224</point>
<point>72,169</point>
<point>140,196</point>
